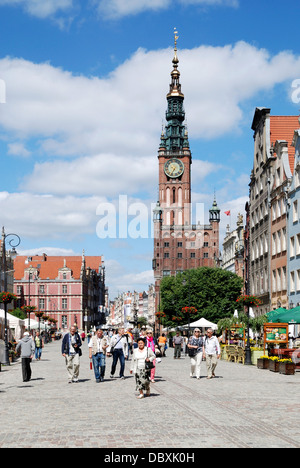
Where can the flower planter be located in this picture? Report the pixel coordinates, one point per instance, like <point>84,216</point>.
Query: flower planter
<point>273,366</point>
<point>287,368</point>
<point>262,363</point>
<point>224,354</point>
<point>255,355</point>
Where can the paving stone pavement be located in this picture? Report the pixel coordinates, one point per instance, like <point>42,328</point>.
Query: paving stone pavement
<point>242,407</point>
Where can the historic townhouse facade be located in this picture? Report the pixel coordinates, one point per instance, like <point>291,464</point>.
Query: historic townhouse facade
<point>233,249</point>
<point>68,289</point>
<point>280,179</point>
<point>129,307</point>
<point>293,242</point>
<point>178,244</point>
<point>273,159</point>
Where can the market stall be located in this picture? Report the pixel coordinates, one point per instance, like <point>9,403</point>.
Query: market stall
<point>201,323</point>
<point>277,335</point>
<point>16,326</point>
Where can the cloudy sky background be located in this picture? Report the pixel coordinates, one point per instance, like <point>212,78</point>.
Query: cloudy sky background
<point>83,89</point>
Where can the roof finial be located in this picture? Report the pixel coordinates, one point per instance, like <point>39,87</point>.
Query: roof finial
<point>176,37</point>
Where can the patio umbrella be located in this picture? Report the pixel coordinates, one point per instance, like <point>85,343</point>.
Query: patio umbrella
<point>290,316</point>
<point>273,315</point>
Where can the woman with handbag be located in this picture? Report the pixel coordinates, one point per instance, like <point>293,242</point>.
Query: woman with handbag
<point>195,351</point>
<point>141,364</point>
<point>153,346</point>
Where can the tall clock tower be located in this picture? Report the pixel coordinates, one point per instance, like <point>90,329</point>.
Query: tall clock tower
<point>179,245</point>
<point>175,157</point>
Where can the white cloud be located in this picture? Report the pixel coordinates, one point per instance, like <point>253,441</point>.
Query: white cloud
<point>121,114</point>
<point>119,8</point>
<point>227,3</point>
<point>111,9</point>
<point>106,175</point>
<point>50,251</point>
<point>40,8</point>
<point>41,216</point>
<point>106,131</point>
<point>120,280</point>
<point>18,149</point>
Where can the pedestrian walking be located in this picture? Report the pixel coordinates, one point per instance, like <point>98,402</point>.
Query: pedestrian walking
<point>39,344</point>
<point>212,352</point>
<point>162,341</point>
<point>26,346</point>
<point>195,351</point>
<point>71,351</point>
<point>177,344</point>
<point>118,349</point>
<point>141,355</point>
<point>150,343</point>
<point>97,352</point>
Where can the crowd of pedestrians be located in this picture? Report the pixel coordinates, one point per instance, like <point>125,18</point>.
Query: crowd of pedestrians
<point>144,352</point>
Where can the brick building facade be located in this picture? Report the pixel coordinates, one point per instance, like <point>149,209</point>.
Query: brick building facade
<point>178,244</point>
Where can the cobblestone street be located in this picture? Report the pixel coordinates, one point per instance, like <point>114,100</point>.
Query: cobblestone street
<point>242,407</point>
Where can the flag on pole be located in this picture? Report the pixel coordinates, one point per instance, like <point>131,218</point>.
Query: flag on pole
<point>227,213</point>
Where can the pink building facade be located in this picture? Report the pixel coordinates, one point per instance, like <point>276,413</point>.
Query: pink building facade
<point>69,289</point>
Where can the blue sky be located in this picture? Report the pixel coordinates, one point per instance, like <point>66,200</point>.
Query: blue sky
<point>85,96</point>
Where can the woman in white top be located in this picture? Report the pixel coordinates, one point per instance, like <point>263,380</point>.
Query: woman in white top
<point>139,357</point>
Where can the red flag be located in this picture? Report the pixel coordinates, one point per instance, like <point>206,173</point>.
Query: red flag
<point>227,213</point>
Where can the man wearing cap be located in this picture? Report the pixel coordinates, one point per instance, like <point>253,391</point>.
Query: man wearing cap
<point>27,347</point>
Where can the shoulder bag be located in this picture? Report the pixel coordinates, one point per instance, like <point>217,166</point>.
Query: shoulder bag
<point>148,364</point>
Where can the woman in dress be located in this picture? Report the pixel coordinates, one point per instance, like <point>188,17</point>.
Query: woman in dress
<point>139,358</point>
<point>150,343</point>
<point>195,346</point>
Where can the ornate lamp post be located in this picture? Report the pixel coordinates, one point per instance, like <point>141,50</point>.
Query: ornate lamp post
<point>13,242</point>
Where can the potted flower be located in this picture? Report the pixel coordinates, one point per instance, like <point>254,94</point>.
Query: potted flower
<point>176,319</point>
<point>274,364</point>
<point>39,314</point>
<point>7,297</point>
<point>263,362</point>
<point>189,310</point>
<point>248,300</point>
<point>28,309</point>
<point>286,366</point>
<point>160,315</point>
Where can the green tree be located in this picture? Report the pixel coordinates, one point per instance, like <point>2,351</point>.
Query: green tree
<point>18,313</point>
<point>212,291</point>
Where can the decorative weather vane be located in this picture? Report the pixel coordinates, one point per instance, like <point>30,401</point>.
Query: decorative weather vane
<point>176,37</point>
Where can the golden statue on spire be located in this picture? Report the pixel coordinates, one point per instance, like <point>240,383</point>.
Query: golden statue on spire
<point>176,37</point>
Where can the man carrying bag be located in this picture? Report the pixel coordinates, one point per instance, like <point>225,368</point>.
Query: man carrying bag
<point>119,350</point>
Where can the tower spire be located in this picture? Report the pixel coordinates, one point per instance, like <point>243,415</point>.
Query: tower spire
<point>175,137</point>
<point>175,86</point>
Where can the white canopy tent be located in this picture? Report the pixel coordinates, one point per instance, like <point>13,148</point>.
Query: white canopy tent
<point>16,325</point>
<point>202,323</point>
<point>34,324</point>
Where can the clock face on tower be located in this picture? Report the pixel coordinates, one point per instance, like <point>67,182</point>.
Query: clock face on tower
<point>174,168</point>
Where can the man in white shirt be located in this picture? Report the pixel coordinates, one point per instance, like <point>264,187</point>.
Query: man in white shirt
<point>118,349</point>
<point>97,352</point>
<point>212,352</point>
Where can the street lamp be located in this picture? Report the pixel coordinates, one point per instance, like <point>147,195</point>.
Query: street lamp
<point>14,242</point>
